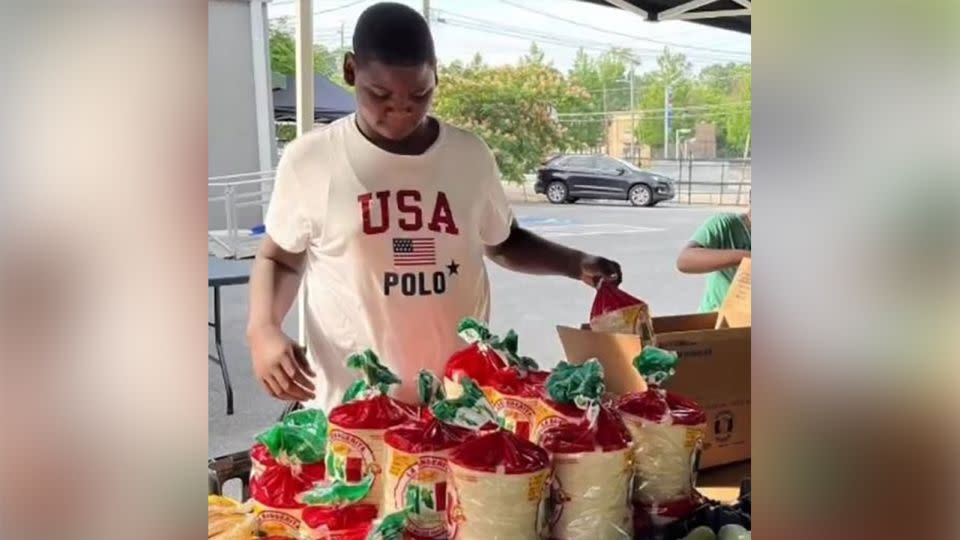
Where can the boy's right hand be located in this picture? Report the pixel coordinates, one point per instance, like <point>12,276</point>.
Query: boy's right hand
<point>280,364</point>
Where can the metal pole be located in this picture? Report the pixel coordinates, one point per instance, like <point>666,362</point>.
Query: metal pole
<point>686,150</point>
<point>723,170</point>
<point>666,121</point>
<point>304,70</point>
<point>228,204</point>
<point>680,172</point>
<point>426,11</point>
<point>633,120</point>
<point>305,112</point>
<point>743,170</point>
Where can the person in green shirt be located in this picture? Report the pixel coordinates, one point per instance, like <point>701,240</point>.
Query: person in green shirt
<point>717,247</point>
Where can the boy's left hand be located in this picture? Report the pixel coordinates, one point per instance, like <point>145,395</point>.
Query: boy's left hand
<point>595,269</point>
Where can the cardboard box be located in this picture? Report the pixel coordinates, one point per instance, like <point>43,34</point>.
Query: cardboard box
<point>735,310</point>
<point>714,370</point>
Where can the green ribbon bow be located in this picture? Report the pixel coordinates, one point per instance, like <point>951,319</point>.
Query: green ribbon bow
<point>377,378</point>
<point>300,438</point>
<point>471,410</point>
<point>580,385</point>
<point>392,526</point>
<point>656,365</point>
<point>474,331</point>
<point>338,493</point>
<point>430,388</point>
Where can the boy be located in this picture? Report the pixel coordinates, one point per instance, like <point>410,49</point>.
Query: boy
<point>717,247</point>
<point>386,215</point>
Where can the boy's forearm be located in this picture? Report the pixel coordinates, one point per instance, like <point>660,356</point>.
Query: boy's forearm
<point>700,260</point>
<point>273,288</point>
<point>529,253</point>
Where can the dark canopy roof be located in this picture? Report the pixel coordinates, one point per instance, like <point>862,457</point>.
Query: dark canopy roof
<point>727,14</point>
<point>330,101</point>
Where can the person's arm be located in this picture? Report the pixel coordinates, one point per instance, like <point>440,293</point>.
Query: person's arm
<point>696,259</point>
<point>515,248</point>
<point>524,251</point>
<point>279,362</point>
<point>274,281</point>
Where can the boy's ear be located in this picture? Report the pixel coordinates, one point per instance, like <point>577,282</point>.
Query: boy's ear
<point>349,68</point>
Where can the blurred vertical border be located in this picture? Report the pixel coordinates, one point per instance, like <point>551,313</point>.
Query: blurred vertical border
<point>856,266</point>
<point>102,294</point>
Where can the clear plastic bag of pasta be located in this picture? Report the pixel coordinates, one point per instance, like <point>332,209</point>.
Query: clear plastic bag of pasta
<point>499,482</point>
<point>667,430</point>
<point>589,494</point>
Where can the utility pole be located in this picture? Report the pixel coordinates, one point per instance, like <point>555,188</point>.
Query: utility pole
<point>426,11</point>
<point>666,120</point>
<point>341,36</point>
<point>603,119</point>
<point>633,120</point>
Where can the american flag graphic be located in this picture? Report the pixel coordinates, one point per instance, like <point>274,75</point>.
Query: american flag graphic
<point>414,252</point>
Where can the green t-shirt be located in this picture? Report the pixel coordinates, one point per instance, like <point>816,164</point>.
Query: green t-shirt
<point>722,231</point>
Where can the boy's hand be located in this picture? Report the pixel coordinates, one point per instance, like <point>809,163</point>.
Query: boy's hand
<point>595,269</point>
<point>280,364</point>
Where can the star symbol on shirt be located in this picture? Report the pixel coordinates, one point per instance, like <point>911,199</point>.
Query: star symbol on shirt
<point>453,267</point>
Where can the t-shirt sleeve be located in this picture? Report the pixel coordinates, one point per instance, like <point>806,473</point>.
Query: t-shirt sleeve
<point>497,217</point>
<point>286,222</point>
<point>711,233</point>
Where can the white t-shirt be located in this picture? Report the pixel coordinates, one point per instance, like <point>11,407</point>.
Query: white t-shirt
<point>394,247</point>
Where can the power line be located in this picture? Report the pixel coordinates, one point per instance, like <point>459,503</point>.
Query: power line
<point>567,40</point>
<point>608,31</point>
<point>673,109</point>
<point>321,11</point>
<point>624,86</point>
<point>654,118</point>
<point>492,27</point>
<point>514,33</point>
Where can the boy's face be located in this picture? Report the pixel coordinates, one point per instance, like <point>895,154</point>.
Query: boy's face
<point>393,100</point>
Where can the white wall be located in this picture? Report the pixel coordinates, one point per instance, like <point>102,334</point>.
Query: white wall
<point>233,135</point>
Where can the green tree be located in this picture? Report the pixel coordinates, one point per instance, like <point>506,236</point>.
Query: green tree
<point>535,56</point>
<point>675,71</point>
<point>725,89</point>
<point>513,108</point>
<point>606,80</point>
<point>283,55</point>
<point>739,121</point>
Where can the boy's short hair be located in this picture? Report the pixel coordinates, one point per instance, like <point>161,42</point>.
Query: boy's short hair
<point>394,34</point>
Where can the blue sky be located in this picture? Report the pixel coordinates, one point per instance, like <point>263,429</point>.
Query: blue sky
<point>501,30</point>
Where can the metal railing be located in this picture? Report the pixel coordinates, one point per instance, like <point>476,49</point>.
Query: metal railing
<point>233,191</point>
<point>710,182</point>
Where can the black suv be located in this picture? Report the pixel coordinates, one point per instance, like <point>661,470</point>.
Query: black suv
<point>565,179</point>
